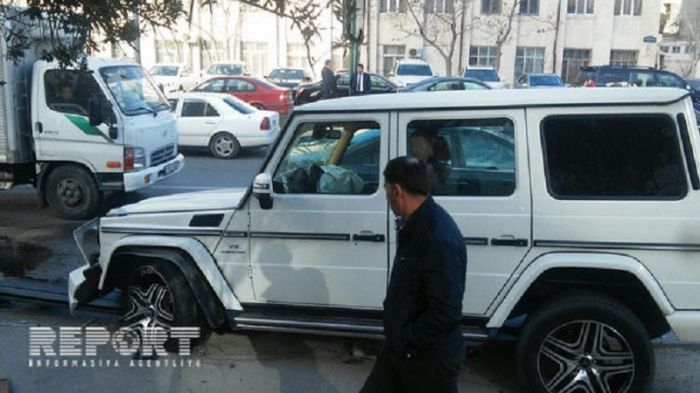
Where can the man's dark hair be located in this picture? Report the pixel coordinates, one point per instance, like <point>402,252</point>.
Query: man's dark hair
<point>410,173</point>
<point>360,65</point>
<point>327,63</point>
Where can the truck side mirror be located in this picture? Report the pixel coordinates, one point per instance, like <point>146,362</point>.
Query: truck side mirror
<point>95,111</point>
<point>262,190</point>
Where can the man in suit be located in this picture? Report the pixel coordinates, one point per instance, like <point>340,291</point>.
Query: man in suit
<point>424,348</point>
<point>359,82</point>
<point>328,88</point>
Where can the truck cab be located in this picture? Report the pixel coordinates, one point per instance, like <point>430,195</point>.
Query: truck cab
<point>94,130</point>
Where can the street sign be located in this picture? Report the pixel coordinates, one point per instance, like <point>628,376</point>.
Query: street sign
<point>650,39</point>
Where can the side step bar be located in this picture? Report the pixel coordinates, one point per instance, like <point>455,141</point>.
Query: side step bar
<point>328,326</point>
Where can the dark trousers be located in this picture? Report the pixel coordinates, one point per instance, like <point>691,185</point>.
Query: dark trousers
<point>418,374</point>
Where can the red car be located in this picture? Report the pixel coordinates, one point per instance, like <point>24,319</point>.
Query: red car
<point>257,92</point>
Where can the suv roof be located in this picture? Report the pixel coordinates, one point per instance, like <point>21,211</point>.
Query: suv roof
<point>498,98</point>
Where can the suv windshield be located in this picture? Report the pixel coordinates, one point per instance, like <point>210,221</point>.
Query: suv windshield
<point>483,75</point>
<point>545,80</point>
<point>225,69</point>
<point>286,74</point>
<point>414,69</point>
<point>134,92</point>
<point>164,71</point>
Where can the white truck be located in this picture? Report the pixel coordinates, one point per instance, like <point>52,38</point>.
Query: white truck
<point>74,133</point>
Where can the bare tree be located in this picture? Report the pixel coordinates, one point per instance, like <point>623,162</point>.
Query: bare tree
<point>501,25</point>
<point>689,29</point>
<point>439,23</point>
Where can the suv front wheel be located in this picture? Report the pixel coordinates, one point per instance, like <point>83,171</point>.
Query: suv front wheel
<point>585,343</point>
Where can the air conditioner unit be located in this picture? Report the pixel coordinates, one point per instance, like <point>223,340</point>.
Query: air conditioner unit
<point>415,53</point>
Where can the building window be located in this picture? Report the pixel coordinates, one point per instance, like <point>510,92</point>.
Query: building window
<point>296,55</point>
<point>528,60</point>
<point>573,60</point>
<point>529,7</point>
<point>392,54</point>
<point>663,49</point>
<point>392,6</point>
<point>489,7</point>
<point>676,49</point>
<point>482,56</point>
<point>168,51</point>
<point>623,57</point>
<point>439,7</point>
<point>255,56</point>
<point>580,7</point>
<point>613,157</point>
<point>628,7</point>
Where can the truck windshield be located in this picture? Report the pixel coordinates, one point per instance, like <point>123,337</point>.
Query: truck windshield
<point>483,75</point>
<point>134,92</point>
<point>414,69</point>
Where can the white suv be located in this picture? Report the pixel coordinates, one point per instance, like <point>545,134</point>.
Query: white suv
<point>409,71</point>
<point>580,211</point>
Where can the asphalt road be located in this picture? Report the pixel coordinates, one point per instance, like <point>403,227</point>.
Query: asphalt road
<point>37,245</point>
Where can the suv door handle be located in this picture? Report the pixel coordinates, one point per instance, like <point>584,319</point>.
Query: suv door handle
<point>509,242</point>
<point>368,237</point>
<point>210,122</point>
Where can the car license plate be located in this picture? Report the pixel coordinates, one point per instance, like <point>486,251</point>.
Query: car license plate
<point>170,168</point>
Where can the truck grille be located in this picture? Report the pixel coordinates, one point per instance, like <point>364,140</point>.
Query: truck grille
<point>163,154</point>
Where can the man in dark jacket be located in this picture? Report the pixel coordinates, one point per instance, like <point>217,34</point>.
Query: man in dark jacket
<point>328,85</point>
<point>423,307</point>
<point>359,82</point>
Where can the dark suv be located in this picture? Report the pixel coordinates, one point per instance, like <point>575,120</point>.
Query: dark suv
<point>621,76</point>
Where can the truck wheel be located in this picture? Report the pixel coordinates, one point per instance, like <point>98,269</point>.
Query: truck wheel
<point>587,343</point>
<point>158,295</point>
<point>71,191</point>
<point>224,146</point>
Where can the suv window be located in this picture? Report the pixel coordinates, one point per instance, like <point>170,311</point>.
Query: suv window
<point>193,108</point>
<point>667,80</point>
<point>613,157</point>
<point>469,157</point>
<point>331,158</point>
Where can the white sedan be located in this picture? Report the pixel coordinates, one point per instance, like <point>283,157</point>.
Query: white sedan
<point>222,123</point>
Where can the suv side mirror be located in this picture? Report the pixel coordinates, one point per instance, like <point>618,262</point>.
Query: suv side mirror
<point>262,190</point>
<point>95,111</point>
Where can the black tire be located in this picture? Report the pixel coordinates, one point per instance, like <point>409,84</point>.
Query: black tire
<point>72,192</point>
<point>626,346</point>
<point>224,146</point>
<point>156,294</point>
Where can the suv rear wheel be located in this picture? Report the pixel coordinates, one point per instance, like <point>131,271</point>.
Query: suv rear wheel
<point>587,343</point>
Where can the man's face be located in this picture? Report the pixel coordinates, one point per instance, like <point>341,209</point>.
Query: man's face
<point>66,93</point>
<point>359,69</point>
<point>392,192</point>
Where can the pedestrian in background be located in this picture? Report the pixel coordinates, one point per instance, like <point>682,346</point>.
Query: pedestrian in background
<point>359,82</point>
<point>328,88</point>
<point>424,347</point>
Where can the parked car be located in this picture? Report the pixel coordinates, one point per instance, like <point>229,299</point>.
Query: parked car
<point>530,81</point>
<point>410,71</point>
<point>487,75</point>
<point>311,92</point>
<point>622,76</point>
<point>582,227</point>
<point>225,68</point>
<point>255,91</point>
<point>171,77</point>
<point>442,83</point>
<point>222,123</point>
<point>289,78</point>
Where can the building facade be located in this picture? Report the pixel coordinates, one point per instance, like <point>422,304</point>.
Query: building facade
<point>557,36</point>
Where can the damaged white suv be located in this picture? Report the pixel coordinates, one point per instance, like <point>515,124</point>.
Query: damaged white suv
<point>580,210</point>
